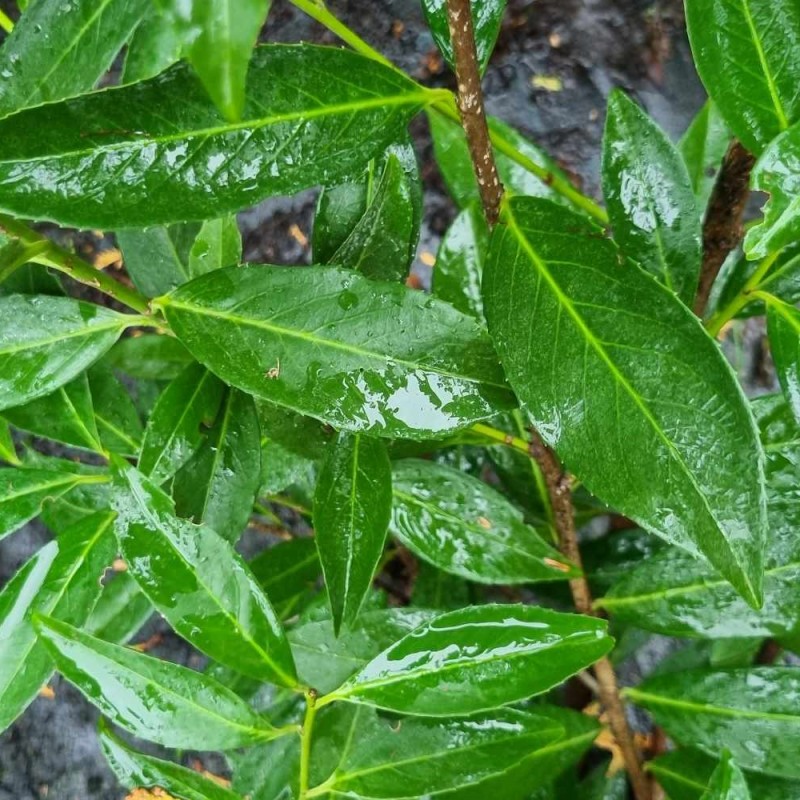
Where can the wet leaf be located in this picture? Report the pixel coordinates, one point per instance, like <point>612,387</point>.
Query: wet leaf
<point>746,53</point>
<point>60,49</point>
<point>45,342</point>
<point>727,782</point>
<point>152,48</point>
<point>197,581</point>
<point>783,328</point>
<point>652,207</point>
<point>477,658</point>
<point>149,357</point>
<point>703,147</point>
<point>352,506</point>
<point>595,323</point>
<point>754,712</point>
<point>61,580</point>
<point>486,18</point>
<point>347,357</point>
<point>218,485</point>
<point>156,700</point>
<point>301,98</point>
<point>177,427</point>
<point>217,245</point>
<point>121,610</point>
<point>287,571</point>
<point>115,414</point>
<point>463,526</point>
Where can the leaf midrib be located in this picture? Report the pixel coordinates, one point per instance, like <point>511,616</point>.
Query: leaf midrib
<point>85,331</point>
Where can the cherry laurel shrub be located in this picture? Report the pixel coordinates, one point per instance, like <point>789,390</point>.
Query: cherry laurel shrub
<point>444,446</point>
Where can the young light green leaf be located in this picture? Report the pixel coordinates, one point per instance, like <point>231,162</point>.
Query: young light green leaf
<point>301,101</point>
<point>156,700</point>
<point>703,147</point>
<point>341,357</point>
<point>175,430</point>
<point>45,342</point>
<point>486,16</point>
<point>459,262</point>
<point>8,450</point>
<point>217,245</point>
<point>436,757</point>
<point>352,506</point>
<point>218,485</point>
<point>66,415</point>
<point>197,581</point>
<point>379,246</point>
<point>115,414</point>
<point>136,770</point>
<point>783,329</point>
<point>149,357</point>
<point>67,591</point>
<point>746,54</point>
<point>60,50</point>
<point>461,525</point>
<point>727,782</point>
<point>755,712</point>
<point>121,610</point>
<point>24,490</point>
<point>476,659</point>
<point>652,207</point>
<point>580,331</point>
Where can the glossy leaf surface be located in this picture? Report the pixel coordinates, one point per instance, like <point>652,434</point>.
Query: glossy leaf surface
<point>149,357</point>
<point>745,53</point>
<point>156,700</point>
<point>346,355</point>
<point>703,147</point>
<point>755,712</point>
<point>63,581</point>
<point>783,328</point>
<point>464,527</point>
<point>152,48</point>
<point>727,782</point>
<point>121,611</point>
<point>218,485</point>
<point>136,770</point>
<point>45,342</point>
<point>197,581</point>
<point>352,507</point>
<point>596,323</point>
<point>649,196</point>
<point>96,160</point>
<point>218,244</point>
<point>478,658</point>
<point>175,430</point>
<point>115,415</point>
<point>60,50</point>
<point>486,18</point>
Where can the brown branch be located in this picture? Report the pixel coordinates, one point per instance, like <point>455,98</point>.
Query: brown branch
<point>722,229</point>
<point>471,107</point>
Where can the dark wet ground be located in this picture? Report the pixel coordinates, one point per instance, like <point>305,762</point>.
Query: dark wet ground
<point>590,46</point>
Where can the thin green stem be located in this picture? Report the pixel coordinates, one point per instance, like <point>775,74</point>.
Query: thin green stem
<point>501,437</point>
<point>6,23</point>
<point>51,255</point>
<point>447,108</point>
<point>719,319</point>
<point>306,732</point>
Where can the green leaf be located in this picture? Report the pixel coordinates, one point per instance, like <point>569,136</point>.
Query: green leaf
<point>703,147</point>
<point>157,259</point>
<point>31,279</point>
<point>45,342</point>
<point>435,757</point>
<point>115,414</point>
<point>347,356</point>
<point>152,48</point>
<point>727,782</point>
<point>197,582</point>
<point>753,712</point>
<point>8,450</point>
<point>652,207</point>
<point>673,593</point>
<point>175,430</point>
<point>66,415</point>
<point>379,244</point>
<point>149,357</point>
<point>459,262</point>
<point>61,580</point>
<point>746,54</point>
<point>455,163</point>
<point>324,660</point>
<point>486,17</point>
<point>218,244</point>
<point>783,328</point>
<point>136,770</point>
<point>218,485</point>
<point>463,526</point>
<point>156,700</point>
<point>94,161</point>
<point>476,659</point>
<point>595,323</point>
<point>287,571</point>
<point>352,506</point>
<point>23,491</point>
<point>121,610</point>
<point>60,50</point>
